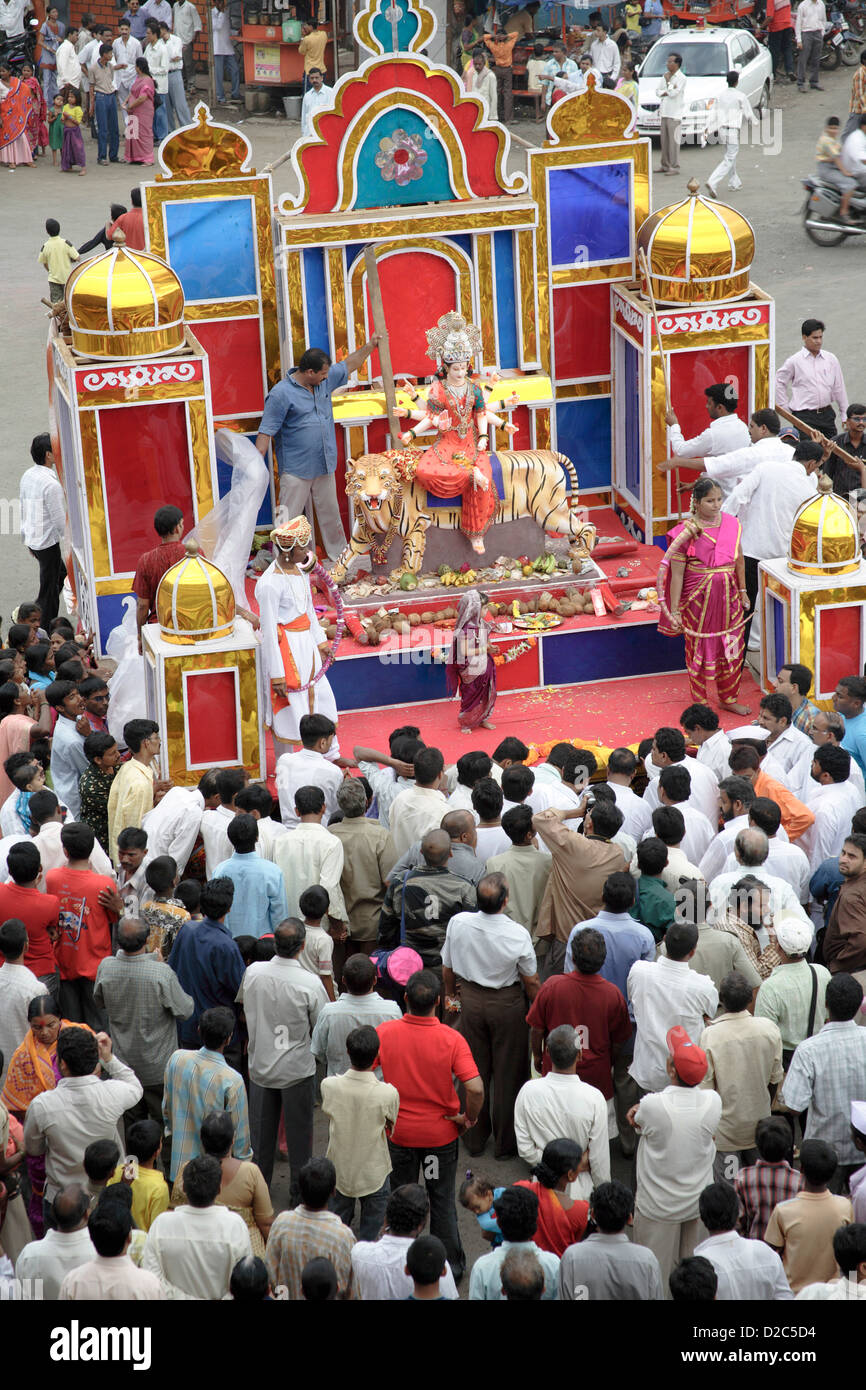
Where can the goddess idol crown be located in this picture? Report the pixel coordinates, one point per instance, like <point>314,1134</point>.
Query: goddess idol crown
<point>453,340</point>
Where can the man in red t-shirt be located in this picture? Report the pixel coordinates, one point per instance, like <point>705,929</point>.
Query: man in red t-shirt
<point>421,1057</point>
<point>38,911</point>
<point>84,926</point>
<point>589,1003</point>
<point>153,564</point>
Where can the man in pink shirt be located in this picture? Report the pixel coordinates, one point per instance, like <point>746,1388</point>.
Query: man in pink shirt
<point>809,381</point>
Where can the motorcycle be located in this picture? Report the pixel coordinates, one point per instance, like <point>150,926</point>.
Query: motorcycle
<point>20,48</point>
<point>840,44</point>
<point>855,16</point>
<point>821,213</point>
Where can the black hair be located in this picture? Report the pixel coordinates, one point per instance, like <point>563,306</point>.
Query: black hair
<point>422,991</point>
<point>849,1246</point>
<point>676,782</point>
<point>165,519</point>
<point>217,1133</point>
<point>558,1157</point>
<point>855,685</point>
<point>36,655</point>
<point>249,1280</point>
<point>243,832</point>
<point>143,1139</point>
<point>188,891</point>
<point>312,727</point>
<point>217,897</point>
<point>681,938</point>
<point>13,940</point>
<point>427,765</point>
<point>517,823</point>
<point>425,1260</point>
<point>97,745</point>
<point>229,781</point>
<point>52,226</point>
<point>137,731</point>
<point>69,1208</point>
<point>618,892</point>
<point>161,873</point>
<point>694,1280</point>
<point>40,445</point>
<point>671,742</point>
<point>255,797</point>
<point>18,636</point>
<point>766,815</point>
<point>589,951</point>
<point>607,819</point>
<point>517,782</point>
<point>779,706</point>
<point>722,393</point>
<point>669,825</point>
<point>216,1025</point>
<point>71,670</point>
<point>316,1182</point>
<point>23,861</point>
<point>719,1207</point>
<point>492,891</point>
<point>835,760</point>
<point>319,1283</point>
<point>818,1160</point>
<point>109,1227</point>
<point>78,1049</point>
<point>768,419</point>
<point>314,359</point>
<point>611,1204</point>
<point>810,326</point>
<point>289,938</point>
<point>77,839</point>
<point>362,1045</point>
<point>314,902</point>
<point>407,1209</point>
<point>102,1156</point>
<point>512,748</point>
<point>801,676</point>
<point>41,1006</point>
<point>516,1214</point>
<point>843,997</point>
<point>132,837</point>
<point>738,789</point>
<point>652,856</point>
<point>735,992</point>
<point>309,801</point>
<point>487,799</point>
<point>201,1180</point>
<point>131,934</point>
<point>55,693</point>
<point>472,766</point>
<point>774,1139</point>
<point>622,762</point>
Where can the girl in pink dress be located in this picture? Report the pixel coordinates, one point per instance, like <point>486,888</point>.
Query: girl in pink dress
<point>702,586</point>
<point>139,122</point>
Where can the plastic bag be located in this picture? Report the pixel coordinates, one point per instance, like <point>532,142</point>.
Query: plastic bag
<point>126,686</point>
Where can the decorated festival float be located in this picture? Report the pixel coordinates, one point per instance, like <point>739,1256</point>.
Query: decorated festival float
<point>580,316</point>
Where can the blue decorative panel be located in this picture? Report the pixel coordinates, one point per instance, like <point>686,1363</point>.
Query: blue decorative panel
<point>318,324</point>
<point>109,612</point>
<point>388,181</point>
<point>607,653</point>
<point>395,26</point>
<point>506,297</point>
<point>198,234</point>
<point>365,683</point>
<point>590,214</point>
<point>632,421</point>
<point>583,435</point>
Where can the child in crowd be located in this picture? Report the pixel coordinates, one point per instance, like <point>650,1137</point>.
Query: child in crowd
<point>318,953</point>
<point>477,1194</point>
<point>100,1160</point>
<point>534,68</point>
<point>369,1107</point>
<point>139,1172</point>
<point>58,256</point>
<point>247,946</point>
<point>72,155</point>
<point>188,892</point>
<point>31,613</point>
<point>160,911</point>
<point>801,1230</point>
<point>55,128</point>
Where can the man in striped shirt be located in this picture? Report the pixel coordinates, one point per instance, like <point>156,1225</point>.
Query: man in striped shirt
<point>769,1180</point>
<point>197,1083</point>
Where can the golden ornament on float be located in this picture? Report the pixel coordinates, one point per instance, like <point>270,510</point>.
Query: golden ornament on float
<point>194,601</point>
<point>698,251</point>
<point>125,304</point>
<point>824,536</point>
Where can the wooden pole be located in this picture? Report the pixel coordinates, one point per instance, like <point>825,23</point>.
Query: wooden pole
<point>384,345</point>
<point>642,262</point>
<point>819,438</point>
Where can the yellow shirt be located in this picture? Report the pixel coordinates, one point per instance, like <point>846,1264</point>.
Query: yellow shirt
<point>150,1195</point>
<point>73,113</point>
<point>633,12</point>
<point>58,256</point>
<point>130,799</point>
<point>312,49</point>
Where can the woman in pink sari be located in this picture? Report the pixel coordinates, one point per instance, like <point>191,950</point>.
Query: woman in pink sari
<point>37,122</point>
<point>702,587</point>
<point>139,116</point>
<point>471,669</point>
<point>14,111</point>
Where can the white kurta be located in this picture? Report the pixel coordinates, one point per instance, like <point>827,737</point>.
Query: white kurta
<point>282,598</point>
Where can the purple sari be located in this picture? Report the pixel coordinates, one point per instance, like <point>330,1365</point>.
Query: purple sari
<point>471,669</point>
<point>710,606</point>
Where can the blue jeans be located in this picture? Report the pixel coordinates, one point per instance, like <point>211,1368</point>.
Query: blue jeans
<point>372,1210</point>
<point>160,121</point>
<point>226,62</point>
<point>177,108</point>
<point>106,125</point>
<point>438,1172</point>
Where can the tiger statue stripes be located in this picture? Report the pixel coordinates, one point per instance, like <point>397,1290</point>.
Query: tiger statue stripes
<point>388,503</point>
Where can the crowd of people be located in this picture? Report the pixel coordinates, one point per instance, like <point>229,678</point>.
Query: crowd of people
<point>653,967</point>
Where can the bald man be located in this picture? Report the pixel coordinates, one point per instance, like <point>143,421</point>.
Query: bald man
<point>751,848</point>
<point>462,833</point>
<point>426,896</point>
<point>64,1247</point>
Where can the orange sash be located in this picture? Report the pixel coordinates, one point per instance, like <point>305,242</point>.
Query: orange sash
<point>292,677</point>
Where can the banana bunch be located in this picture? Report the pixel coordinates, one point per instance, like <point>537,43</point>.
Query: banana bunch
<point>545,564</point>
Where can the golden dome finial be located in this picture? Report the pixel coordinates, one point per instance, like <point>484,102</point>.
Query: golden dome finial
<point>119,237</point>
<point>697,251</point>
<point>194,601</point>
<point>205,149</point>
<point>693,186</point>
<point>824,535</point>
<point>825,484</point>
<point>125,303</point>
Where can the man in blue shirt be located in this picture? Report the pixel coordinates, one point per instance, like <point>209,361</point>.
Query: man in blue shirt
<point>849,698</point>
<point>259,903</point>
<point>209,965</point>
<point>299,419</point>
<point>654,12</point>
<point>136,20</point>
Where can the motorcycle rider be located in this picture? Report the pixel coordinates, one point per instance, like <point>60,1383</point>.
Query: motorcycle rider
<point>12,14</point>
<point>830,169</point>
<point>854,153</point>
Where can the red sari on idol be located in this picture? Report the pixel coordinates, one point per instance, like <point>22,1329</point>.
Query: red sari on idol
<point>710,606</point>
<point>442,470</point>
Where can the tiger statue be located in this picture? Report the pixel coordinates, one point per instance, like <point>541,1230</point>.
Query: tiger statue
<point>388,503</point>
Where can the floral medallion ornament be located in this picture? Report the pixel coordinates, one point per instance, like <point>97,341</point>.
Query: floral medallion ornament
<point>401,158</point>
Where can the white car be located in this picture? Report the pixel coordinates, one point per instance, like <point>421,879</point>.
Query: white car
<point>708,56</point>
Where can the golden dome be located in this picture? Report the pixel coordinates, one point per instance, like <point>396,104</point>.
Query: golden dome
<point>824,537</point>
<point>698,251</point>
<point>194,601</point>
<point>205,149</point>
<point>125,304</point>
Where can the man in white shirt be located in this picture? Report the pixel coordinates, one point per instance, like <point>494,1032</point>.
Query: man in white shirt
<point>729,469</point>
<point>470,769</point>
<point>671,93</point>
<point>834,800</point>
<point>111,1276</point>
<point>81,1108</point>
<point>725,432</point>
<point>809,26</point>
<point>746,1269</point>
<point>379,1266</point>
<point>64,1247</point>
<point>68,65</point>
<point>669,750</point>
<point>308,855</point>
<point>12,14</point>
<point>178,111</point>
<point>160,10</point>
<point>854,153</point>
<point>784,860</point>
<point>492,957</point>
<point>701,725</point>
<point>559,63</point>
<point>312,765</point>
<point>736,795</point>
<point>157,61</point>
<point>726,117</point>
<point>637,816</point>
<point>829,727</point>
<point>43,523</point>
<point>478,79</point>
<point>419,808</point>
<point>193,1249</point>
<point>663,993</point>
<point>173,825</point>
<point>605,55</point>
<point>766,502</point>
<point>676,1153</point>
<point>562,1106</point>
<point>18,986</point>
<point>282,1001</point>
<point>674,789</point>
<point>215,819</point>
<point>751,848</point>
<point>224,56</point>
<point>127,50</point>
<point>187,23</point>
<point>790,753</point>
<point>318,95</point>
